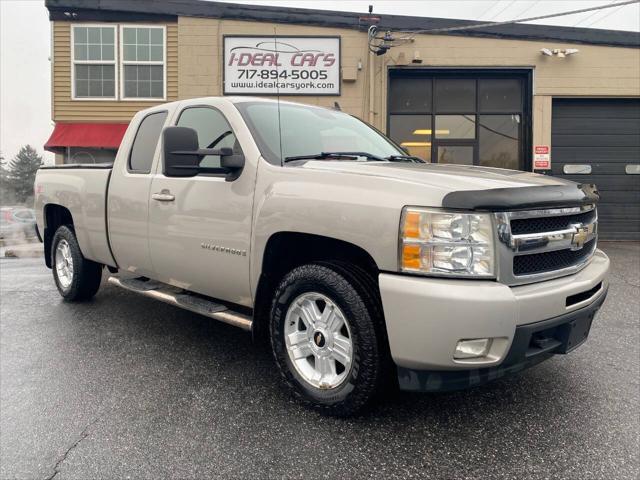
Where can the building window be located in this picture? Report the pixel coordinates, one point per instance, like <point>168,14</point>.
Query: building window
<point>94,62</point>
<point>500,141</point>
<point>413,133</point>
<point>143,62</point>
<point>477,120</point>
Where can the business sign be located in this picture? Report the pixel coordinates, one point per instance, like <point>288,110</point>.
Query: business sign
<point>542,157</point>
<point>281,65</point>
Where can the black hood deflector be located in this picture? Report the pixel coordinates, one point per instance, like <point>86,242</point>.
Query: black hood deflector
<point>523,198</point>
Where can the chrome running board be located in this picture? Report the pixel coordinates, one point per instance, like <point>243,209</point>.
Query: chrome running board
<point>181,298</point>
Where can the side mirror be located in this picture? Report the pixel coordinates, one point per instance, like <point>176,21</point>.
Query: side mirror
<point>182,156</point>
<point>177,141</point>
<point>231,161</point>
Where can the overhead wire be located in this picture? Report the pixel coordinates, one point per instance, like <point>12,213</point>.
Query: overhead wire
<point>597,20</point>
<point>588,17</point>
<point>519,20</point>
<point>381,44</point>
<point>529,8</point>
<point>496,2</point>
<point>503,10</point>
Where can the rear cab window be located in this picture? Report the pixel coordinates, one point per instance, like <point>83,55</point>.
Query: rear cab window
<point>145,142</point>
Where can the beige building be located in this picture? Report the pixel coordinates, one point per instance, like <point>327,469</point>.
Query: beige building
<point>562,101</point>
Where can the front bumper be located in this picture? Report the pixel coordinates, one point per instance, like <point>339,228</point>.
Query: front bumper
<point>525,352</point>
<point>426,317</point>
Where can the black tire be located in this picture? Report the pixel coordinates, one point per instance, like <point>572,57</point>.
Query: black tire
<point>87,274</point>
<point>355,293</point>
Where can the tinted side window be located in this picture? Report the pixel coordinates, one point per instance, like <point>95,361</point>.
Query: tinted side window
<point>144,145</point>
<point>213,132</point>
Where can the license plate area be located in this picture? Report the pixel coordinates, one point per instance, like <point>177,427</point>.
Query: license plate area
<point>557,335</point>
<point>560,338</point>
<point>574,333</point>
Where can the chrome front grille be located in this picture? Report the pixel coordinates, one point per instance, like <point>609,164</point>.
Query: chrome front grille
<point>539,245</point>
<point>521,226</point>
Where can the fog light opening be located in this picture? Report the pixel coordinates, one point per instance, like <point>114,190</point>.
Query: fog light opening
<point>473,348</point>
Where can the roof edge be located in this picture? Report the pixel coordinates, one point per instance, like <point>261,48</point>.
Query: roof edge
<point>169,10</point>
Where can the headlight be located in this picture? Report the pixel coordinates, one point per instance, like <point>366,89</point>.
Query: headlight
<point>451,243</point>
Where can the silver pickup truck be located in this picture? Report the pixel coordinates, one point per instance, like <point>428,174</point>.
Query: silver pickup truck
<point>363,267</point>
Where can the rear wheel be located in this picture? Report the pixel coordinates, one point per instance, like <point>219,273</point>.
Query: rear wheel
<point>76,277</point>
<point>327,338</point>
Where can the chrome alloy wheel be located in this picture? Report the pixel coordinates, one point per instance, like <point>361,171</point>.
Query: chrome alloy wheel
<point>318,340</point>
<point>64,264</point>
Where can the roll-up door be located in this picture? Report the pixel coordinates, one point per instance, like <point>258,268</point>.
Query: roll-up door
<point>598,141</point>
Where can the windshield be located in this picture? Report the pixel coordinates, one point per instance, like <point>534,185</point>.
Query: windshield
<point>309,131</point>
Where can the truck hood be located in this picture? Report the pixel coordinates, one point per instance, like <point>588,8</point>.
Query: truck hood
<point>443,177</point>
<point>472,188</point>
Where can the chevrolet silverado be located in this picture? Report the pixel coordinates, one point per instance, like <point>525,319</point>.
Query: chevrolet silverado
<point>364,267</point>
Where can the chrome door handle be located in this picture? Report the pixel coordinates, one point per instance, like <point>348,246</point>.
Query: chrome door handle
<point>163,196</point>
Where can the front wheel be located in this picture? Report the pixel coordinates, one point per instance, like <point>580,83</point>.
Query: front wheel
<point>76,277</point>
<point>327,337</point>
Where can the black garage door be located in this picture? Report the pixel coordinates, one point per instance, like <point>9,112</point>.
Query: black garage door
<point>598,141</point>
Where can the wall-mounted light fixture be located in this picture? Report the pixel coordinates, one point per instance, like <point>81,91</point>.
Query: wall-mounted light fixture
<point>559,52</point>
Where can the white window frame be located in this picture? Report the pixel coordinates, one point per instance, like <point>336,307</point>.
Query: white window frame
<point>113,62</point>
<point>163,63</point>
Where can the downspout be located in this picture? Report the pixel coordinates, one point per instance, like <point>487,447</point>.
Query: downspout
<point>371,88</point>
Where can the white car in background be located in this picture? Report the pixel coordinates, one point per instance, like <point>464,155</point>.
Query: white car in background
<point>17,222</point>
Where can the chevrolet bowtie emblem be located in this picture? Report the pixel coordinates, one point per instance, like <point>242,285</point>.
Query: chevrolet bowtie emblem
<point>579,237</point>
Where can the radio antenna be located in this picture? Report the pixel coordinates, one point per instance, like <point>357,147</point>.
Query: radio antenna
<point>275,42</point>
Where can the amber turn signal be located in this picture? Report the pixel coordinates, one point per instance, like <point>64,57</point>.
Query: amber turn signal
<point>411,257</point>
<point>411,226</point>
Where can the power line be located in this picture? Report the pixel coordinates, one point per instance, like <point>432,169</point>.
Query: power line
<point>503,10</point>
<point>606,16</point>
<point>520,20</point>
<point>529,7</point>
<point>496,2</point>
<point>589,17</point>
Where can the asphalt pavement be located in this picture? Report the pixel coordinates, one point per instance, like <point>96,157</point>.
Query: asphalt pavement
<point>128,387</point>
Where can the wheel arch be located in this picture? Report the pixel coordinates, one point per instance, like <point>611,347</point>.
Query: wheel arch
<point>286,250</point>
<point>54,216</point>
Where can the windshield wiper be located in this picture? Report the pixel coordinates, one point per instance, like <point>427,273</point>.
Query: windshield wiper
<point>335,155</point>
<point>404,158</point>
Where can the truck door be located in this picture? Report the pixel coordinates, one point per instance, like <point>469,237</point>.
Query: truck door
<point>128,195</point>
<point>200,227</point>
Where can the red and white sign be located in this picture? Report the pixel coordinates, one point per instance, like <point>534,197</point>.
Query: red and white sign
<point>542,157</point>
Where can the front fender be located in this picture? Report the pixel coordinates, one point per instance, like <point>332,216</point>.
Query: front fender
<point>360,210</point>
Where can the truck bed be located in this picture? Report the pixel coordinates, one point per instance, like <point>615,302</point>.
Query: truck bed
<point>81,189</point>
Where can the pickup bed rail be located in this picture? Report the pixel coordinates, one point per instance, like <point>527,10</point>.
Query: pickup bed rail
<point>71,166</point>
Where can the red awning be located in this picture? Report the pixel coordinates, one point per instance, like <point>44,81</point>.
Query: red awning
<point>95,135</point>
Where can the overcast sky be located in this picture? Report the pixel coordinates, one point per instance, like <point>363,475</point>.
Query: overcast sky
<point>25,89</point>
